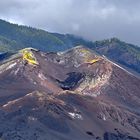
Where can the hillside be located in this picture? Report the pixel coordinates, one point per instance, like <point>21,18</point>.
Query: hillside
<point>121,52</point>
<point>69,95</point>
<point>14,37</point>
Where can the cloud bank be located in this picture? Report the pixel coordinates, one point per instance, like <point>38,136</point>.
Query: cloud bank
<point>91,19</point>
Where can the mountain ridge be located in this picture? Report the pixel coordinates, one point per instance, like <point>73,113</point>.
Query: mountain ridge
<point>67,96</point>
<point>14,37</point>
<point>37,38</point>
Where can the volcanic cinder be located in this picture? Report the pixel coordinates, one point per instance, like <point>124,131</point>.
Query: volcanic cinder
<point>71,95</point>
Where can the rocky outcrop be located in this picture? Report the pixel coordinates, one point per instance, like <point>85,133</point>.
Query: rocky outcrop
<point>75,94</point>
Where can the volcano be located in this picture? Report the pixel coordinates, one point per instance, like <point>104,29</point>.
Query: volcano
<point>70,95</point>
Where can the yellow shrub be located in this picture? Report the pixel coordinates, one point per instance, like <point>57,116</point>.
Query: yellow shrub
<point>29,56</point>
<point>93,60</point>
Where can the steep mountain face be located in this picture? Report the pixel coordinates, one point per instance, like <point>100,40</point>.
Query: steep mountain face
<point>120,52</point>
<point>75,94</point>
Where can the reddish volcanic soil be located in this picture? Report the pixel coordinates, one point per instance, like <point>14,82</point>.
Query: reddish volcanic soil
<point>69,95</point>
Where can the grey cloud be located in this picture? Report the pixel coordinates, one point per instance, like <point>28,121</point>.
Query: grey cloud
<point>92,19</point>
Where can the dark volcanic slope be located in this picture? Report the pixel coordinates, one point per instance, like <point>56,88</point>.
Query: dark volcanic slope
<point>68,95</point>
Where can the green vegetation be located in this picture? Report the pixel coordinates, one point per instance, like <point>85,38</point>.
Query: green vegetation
<point>15,37</point>
<point>119,51</point>
<point>8,45</point>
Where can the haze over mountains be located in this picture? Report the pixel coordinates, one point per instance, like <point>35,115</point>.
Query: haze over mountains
<point>71,89</point>
<point>14,37</point>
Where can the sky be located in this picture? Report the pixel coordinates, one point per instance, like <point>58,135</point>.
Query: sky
<point>90,19</point>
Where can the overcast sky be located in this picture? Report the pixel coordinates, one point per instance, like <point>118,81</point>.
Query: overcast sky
<point>91,19</point>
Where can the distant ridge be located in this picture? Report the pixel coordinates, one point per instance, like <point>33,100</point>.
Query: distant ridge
<point>14,37</point>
